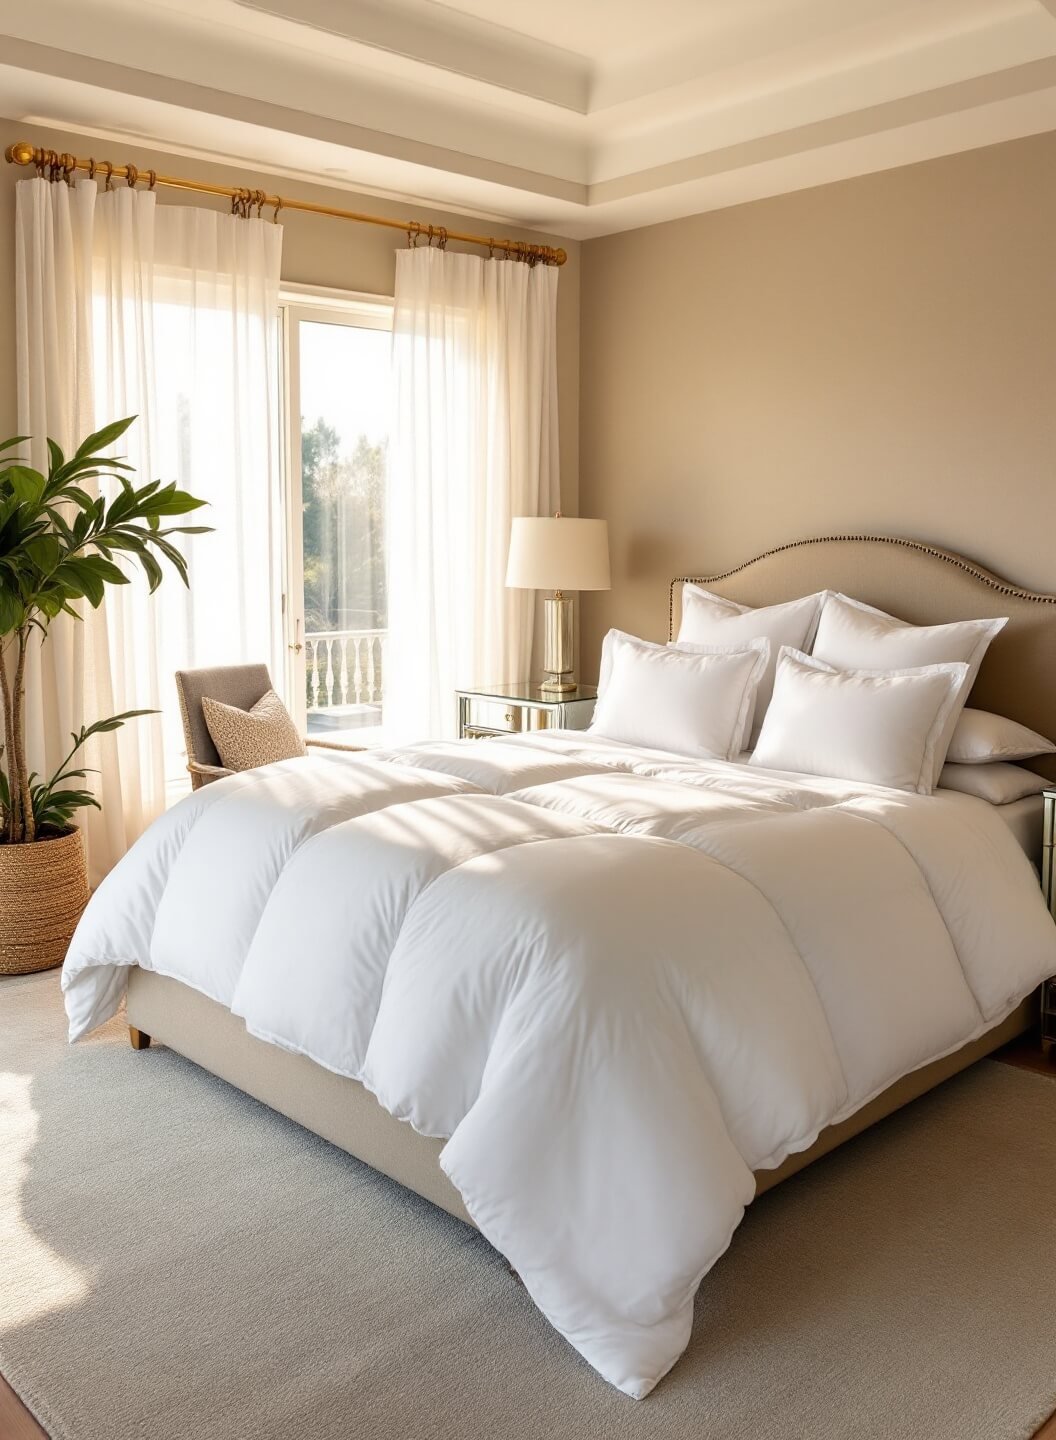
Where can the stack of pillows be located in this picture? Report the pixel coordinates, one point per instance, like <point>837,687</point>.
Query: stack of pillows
<point>824,685</point>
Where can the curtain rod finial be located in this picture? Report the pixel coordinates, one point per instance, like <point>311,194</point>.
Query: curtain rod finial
<point>560,256</point>
<point>20,153</point>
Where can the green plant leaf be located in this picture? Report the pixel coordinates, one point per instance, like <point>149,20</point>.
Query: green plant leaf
<point>107,571</point>
<point>104,437</point>
<point>15,440</point>
<point>28,485</point>
<point>113,722</point>
<point>80,578</point>
<point>44,551</point>
<point>152,570</point>
<point>78,496</point>
<point>11,608</point>
<point>55,455</point>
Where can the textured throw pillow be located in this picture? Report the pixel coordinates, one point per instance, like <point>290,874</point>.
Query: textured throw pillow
<point>981,738</point>
<point>695,702</point>
<point>880,727</point>
<point>710,619</point>
<point>245,739</point>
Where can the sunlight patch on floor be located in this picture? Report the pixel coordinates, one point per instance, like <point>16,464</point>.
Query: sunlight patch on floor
<point>35,1279</point>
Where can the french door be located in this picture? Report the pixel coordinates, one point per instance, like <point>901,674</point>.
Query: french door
<point>335,607</point>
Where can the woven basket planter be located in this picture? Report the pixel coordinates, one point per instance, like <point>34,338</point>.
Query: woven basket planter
<point>43,889</point>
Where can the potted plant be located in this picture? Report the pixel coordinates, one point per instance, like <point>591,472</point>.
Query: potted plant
<point>57,549</point>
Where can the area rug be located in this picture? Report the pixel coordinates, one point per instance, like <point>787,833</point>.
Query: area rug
<point>179,1262</point>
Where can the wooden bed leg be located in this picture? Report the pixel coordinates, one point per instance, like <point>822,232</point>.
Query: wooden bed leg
<point>139,1038</point>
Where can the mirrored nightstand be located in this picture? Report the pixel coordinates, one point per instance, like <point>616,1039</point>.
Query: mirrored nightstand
<point>515,709</point>
<point>1048,886</point>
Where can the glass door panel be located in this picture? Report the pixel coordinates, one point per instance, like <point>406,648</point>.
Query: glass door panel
<point>340,404</point>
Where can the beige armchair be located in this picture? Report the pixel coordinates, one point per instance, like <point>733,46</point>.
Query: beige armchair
<point>239,685</point>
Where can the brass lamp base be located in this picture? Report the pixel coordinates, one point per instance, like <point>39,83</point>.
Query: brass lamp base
<point>557,645</point>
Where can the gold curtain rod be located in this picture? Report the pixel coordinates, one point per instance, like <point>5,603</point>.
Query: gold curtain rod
<point>244,201</point>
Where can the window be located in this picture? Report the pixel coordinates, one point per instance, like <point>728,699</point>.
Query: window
<point>338,392</point>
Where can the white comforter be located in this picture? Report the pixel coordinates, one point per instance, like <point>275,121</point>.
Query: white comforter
<point>615,981</point>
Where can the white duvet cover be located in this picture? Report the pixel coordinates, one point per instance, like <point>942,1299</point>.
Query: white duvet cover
<point>615,981</point>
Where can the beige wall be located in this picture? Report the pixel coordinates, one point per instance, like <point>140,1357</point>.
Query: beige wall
<point>875,355</point>
<point>316,251</point>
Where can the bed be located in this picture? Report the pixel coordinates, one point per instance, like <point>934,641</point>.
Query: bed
<point>453,1086</point>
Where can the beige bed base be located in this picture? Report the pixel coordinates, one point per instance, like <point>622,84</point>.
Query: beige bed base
<point>343,1112</point>
<point>914,579</point>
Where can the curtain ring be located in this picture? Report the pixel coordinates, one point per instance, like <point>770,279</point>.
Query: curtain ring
<point>131,175</point>
<point>278,207</point>
<point>153,179</point>
<point>262,200</point>
<point>91,168</point>
<point>442,238</point>
<point>69,166</point>
<point>109,175</point>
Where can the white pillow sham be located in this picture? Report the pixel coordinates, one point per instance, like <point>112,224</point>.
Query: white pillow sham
<point>882,728</point>
<point>981,737</point>
<point>855,636</point>
<point>710,619</point>
<point>999,783</point>
<point>697,702</point>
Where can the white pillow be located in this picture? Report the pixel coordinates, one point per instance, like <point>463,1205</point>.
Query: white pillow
<point>695,702</point>
<point>981,737</point>
<point>879,727</point>
<point>710,619</point>
<point>855,636</point>
<point>998,783</point>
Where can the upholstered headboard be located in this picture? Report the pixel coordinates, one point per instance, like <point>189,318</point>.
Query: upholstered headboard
<point>926,586</point>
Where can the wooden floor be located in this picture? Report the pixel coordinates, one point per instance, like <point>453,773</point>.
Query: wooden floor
<point>16,1423</point>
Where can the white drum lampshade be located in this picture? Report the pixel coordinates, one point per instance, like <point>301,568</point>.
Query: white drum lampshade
<point>558,553</point>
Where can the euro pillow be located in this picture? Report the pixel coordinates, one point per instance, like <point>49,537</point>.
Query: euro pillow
<point>881,728</point>
<point>999,783</point>
<point>855,636</point>
<point>981,738</point>
<point>695,702</point>
<point>245,739</point>
<point>710,619</point>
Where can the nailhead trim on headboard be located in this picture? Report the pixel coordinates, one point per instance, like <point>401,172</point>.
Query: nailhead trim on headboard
<point>993,582</point>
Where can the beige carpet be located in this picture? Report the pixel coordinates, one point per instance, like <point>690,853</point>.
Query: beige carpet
<point>178,1262</point>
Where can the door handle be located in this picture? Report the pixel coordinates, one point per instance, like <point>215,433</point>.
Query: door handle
<point>296,647</point>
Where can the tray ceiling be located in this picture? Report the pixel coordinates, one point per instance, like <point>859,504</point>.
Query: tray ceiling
<point>578,117</point>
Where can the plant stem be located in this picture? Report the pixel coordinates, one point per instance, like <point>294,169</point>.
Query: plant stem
<point>20,775</point>
<point>14,819</point>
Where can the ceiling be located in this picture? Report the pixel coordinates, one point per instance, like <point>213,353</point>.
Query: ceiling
<point>576,117</point>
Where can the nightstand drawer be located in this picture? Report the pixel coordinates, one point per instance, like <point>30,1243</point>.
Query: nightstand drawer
<point>521,709</point>
<point>492,716</point>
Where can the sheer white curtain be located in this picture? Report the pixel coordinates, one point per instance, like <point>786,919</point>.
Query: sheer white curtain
<point>475,442</point>
<point>170,313</point>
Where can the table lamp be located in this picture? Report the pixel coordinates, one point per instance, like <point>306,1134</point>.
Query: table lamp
<point>558,553</point>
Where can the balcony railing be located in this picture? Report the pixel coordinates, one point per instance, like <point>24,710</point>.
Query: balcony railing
<point>344,668</point>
